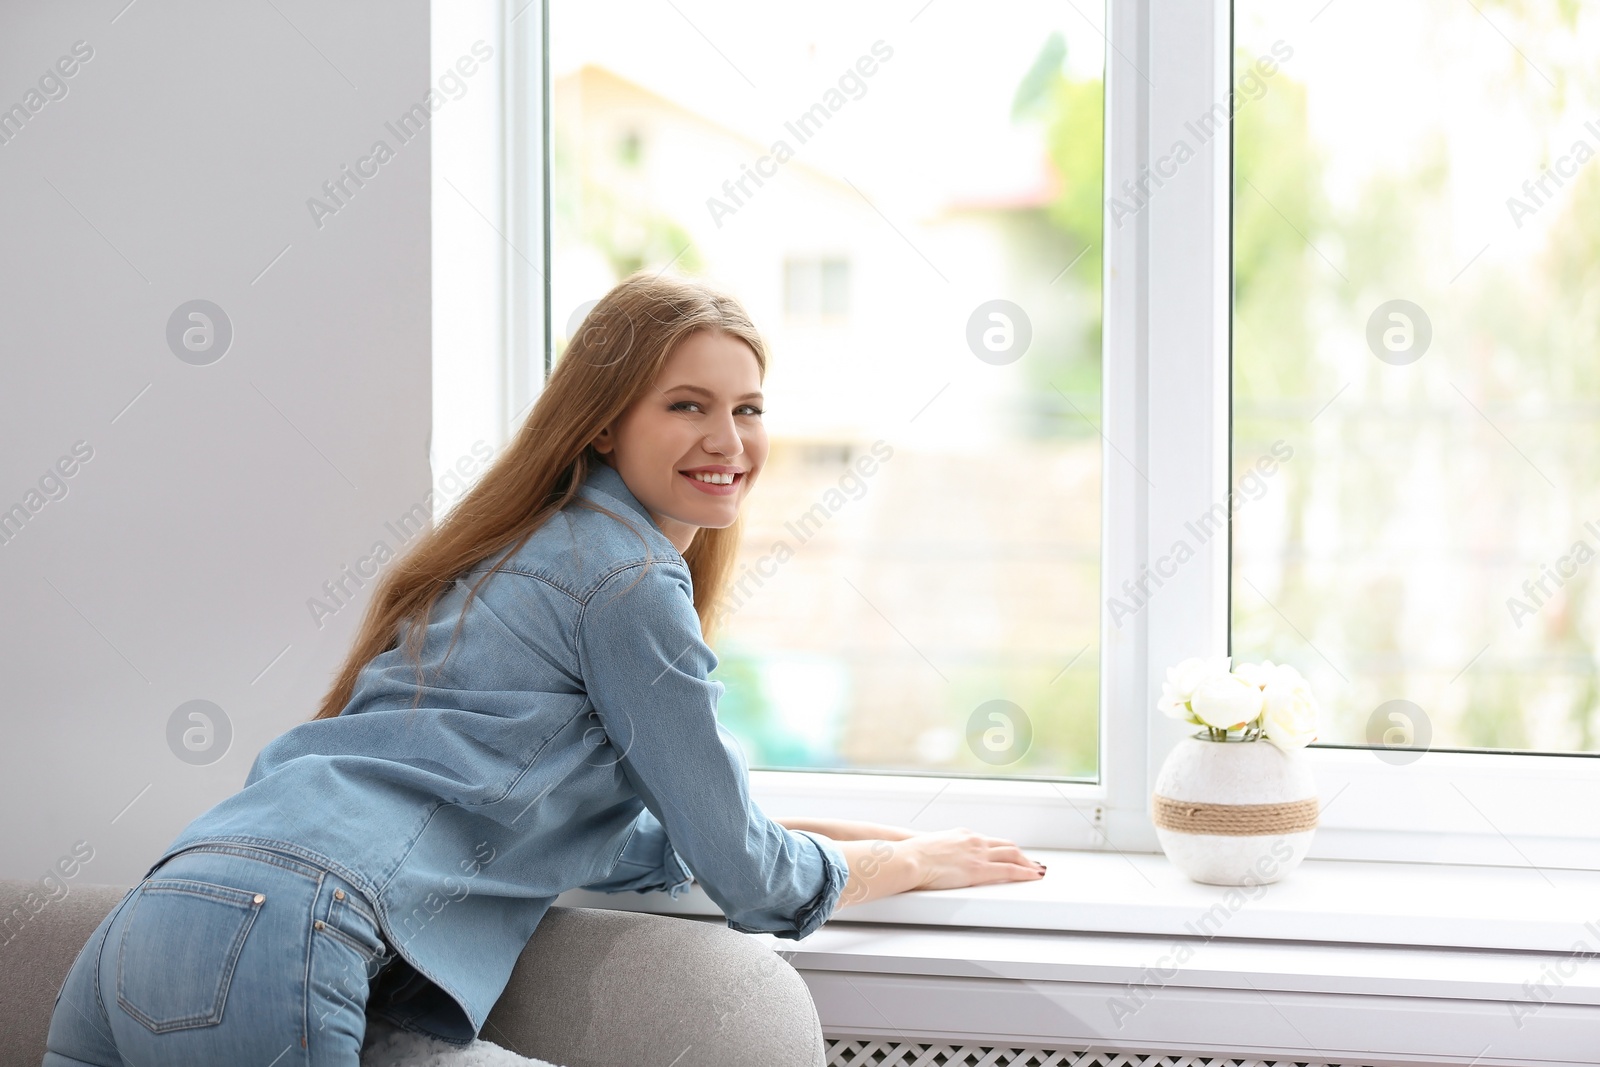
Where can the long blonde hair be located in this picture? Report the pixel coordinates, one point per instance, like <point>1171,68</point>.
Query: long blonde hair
<point>613,361</point>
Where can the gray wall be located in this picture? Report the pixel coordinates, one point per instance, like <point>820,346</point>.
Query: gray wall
<point>176,562</point>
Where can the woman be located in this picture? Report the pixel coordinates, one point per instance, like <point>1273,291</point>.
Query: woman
<point>392,859</point>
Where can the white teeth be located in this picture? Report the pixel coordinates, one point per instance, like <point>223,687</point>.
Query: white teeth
<point>715,479</point>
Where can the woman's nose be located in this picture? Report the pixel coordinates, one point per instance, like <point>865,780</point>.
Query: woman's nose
<point>723,438</point>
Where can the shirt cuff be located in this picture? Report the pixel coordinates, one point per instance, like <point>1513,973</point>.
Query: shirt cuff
<point>835,872</point>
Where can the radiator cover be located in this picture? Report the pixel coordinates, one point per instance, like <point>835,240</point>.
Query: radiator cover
<point>880,1052</point>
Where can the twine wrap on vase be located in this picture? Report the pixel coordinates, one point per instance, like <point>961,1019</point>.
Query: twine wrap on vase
<point>1235,820</point>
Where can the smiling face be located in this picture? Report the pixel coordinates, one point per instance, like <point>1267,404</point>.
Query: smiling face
<point>701,419</point>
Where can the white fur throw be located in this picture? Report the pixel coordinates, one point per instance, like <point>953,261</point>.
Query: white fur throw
<point>390,1046</point>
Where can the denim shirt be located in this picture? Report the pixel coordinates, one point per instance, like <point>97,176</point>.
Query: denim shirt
<point>569,739</point>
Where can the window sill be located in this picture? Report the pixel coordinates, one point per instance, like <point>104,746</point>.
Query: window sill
<point>1354,902</point>
<point>1344,961</point>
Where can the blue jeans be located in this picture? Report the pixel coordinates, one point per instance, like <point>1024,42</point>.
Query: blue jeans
<point>225,954</point>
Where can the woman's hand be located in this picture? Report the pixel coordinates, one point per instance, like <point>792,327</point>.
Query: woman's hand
<point>942,859</point>
<point>954,859</point>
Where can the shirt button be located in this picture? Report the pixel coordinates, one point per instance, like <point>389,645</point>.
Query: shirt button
<point>318,924</point>
<point>259,898</point>
<point>338,894</point>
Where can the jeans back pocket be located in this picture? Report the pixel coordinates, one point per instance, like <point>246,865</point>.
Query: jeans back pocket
<point>180,943</point>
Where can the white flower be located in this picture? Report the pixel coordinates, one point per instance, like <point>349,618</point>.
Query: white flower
<point>1256,674</point>
<point>1224,701</point>
<point>1182,681</point>
<point>1290,719</point>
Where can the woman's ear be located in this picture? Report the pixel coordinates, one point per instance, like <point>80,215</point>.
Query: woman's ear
<point>602,442</point>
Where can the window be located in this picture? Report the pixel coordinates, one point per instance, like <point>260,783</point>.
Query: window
<point>1416,258</point>
<point>630,147</point>
<point>1073,373</point>
<point>816,290</point>
<point>918,590</point>
<point>1413,258</point>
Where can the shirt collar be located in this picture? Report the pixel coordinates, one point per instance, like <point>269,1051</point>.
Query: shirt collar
<point>605,480</point>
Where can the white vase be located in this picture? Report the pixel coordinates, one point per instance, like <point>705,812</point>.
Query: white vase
<point>1234,812</point>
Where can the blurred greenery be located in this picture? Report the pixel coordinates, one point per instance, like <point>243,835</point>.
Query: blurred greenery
<point>1038,85</point>
<point>1279,218</point>
<point>1065,357</point>
<point>1276,177</point>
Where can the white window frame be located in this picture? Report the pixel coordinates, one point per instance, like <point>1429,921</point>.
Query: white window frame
<point>1166,406</point>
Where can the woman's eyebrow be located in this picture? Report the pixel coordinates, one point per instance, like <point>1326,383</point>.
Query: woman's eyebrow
<point>706,392</point>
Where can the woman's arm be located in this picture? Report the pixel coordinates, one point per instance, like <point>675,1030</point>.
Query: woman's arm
<point>646,669</point>
<point>848,830</point>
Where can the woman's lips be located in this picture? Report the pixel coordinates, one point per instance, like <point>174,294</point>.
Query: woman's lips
<point>713,488</point>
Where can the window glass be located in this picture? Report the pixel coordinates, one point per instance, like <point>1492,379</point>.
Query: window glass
<point>909,205</point>
<point>1416,241</point>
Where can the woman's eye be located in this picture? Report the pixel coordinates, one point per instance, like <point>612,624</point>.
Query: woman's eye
<point>748,409</point>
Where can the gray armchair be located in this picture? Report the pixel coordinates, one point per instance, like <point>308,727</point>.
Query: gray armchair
<point>593,988</point>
